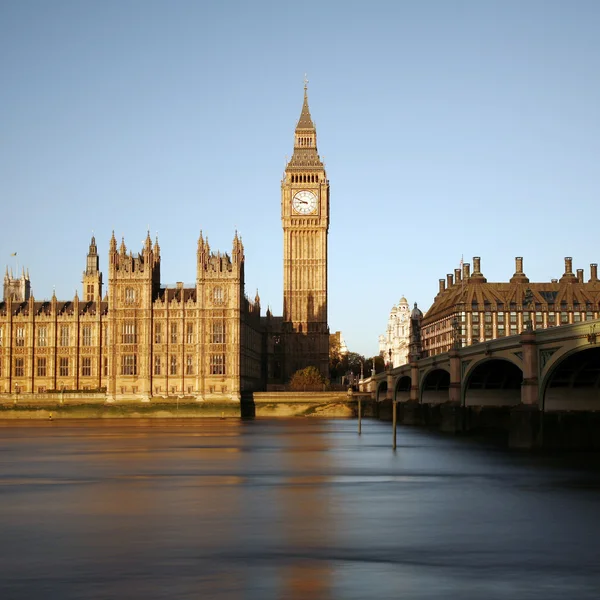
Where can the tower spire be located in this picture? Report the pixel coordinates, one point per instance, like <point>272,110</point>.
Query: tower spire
<point>305,139</point>
<point>305,121</point>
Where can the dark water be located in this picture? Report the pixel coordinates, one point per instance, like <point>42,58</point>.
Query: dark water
<point>288,509</point>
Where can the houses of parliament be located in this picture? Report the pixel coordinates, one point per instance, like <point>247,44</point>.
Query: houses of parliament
<point>143,340</point>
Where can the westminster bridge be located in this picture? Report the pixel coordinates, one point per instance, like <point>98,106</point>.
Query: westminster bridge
<point>541,386</point>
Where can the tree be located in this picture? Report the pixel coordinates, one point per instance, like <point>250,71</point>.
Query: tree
<point>308,379</point>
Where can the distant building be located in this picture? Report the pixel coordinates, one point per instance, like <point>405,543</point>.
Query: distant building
<point>337,345</point>
<point>397,335</point>
<point>469,310</point>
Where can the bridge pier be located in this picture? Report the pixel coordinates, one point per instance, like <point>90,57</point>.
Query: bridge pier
<point>525,429</point>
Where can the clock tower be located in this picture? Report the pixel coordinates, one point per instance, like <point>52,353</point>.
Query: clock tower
<point>305,221</point>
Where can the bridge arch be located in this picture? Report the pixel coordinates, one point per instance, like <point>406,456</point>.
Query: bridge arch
<point>382,391</point>
<point>435,386</point>
<point>573,381</point>
<point>402,389</point>
<point>493,382</point>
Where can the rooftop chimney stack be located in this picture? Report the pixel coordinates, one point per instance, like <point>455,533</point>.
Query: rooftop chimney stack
<point>593,272</point>
<point>568,265</point>
<point>456,275</point>
<point>579,275</point>
<point>442,285</point>
<point>568,275</point>
<point>466,271</point>
<point>519,276</point>
<point>449,280</point>
<point>518,264</point>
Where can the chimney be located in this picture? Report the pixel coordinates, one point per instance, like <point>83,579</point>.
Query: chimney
<point>519,276</point>
<point>518,264</point>
<point>457,275</point>
<point>449,280</point>
<point>568,265</point>
<point>568,275</point>
<point>593,272</point>
<point>579,275</point>
<point>477,275</point>
<point>466,271</point>
<point>442,285</point>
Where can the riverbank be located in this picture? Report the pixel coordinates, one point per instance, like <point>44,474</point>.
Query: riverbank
<point>263,404</point>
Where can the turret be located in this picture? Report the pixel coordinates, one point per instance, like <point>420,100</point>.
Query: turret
<point>92,277</point>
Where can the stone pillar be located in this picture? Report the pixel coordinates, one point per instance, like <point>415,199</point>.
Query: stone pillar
<point>455,377</point>
<point>414,382</point>
<point>530,385</point>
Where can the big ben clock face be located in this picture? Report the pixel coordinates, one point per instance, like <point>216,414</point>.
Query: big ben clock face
<point>305,202</point>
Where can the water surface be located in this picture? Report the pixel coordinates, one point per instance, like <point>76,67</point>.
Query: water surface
<point>288,509</point>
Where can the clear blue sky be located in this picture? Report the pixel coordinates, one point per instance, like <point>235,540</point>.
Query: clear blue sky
<point>448,128</point>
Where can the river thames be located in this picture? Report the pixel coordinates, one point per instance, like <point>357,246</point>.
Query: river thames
<point>289,509</point>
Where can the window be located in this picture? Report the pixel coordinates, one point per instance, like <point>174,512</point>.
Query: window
<point>86,337</point>
<point>513,317</point>
<point>63,366</point>
<point>189,365</point>
<point>129,336</point>
<point>475,317</point>
<point>41,366</point>
<point>64,335</point>
<point>190,333</point>
<point>217,364</point>
<point>218,295</point>
<point>106,366</point>
<point>218,332</point>
<point>564,318</point>
<point>129,364</point>
<point>157,333</point>
<point>500,318</point>
<point>129,295</point>
<point>173,333</point>
<point>86,366</point>
<point>157,365</point>
<point>173,365</point>
<point>19,367</point>
<point>42,337</point>
<point>576,317</point>
<point>20,341</point>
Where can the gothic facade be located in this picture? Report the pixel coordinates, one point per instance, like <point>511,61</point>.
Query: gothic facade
<point>144,340</point>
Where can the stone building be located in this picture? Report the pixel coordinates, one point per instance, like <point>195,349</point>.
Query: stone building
<point>145,340</point>
<point>394,343</point>
<point>468,309</point>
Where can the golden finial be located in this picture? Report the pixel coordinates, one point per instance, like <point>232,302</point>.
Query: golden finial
<point>305,81</point>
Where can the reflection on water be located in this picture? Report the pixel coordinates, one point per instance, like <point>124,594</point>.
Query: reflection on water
<point>273,509</point>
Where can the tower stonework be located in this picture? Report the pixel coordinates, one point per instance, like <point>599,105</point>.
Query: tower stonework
<point>305,221</point>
